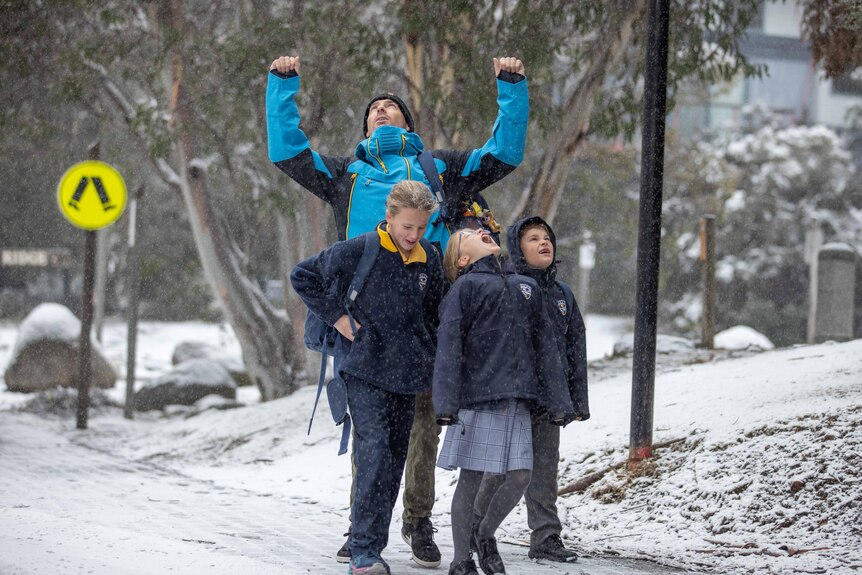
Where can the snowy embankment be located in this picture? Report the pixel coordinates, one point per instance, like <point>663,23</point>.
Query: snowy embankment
<point>765,477</point>
<point>761,474</point>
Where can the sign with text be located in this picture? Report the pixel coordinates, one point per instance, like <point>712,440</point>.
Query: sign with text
<point>36,257</point>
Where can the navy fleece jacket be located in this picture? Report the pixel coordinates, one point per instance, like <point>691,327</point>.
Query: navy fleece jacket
<point>490,344</point>
<point>397,309</point>
<point>569,330</point>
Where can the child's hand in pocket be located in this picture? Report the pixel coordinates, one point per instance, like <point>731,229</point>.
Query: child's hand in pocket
<point>343,327</point>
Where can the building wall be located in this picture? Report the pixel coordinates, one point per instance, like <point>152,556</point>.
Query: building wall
<point>782,19</point>
<point>831,108</point>
<point>791,87</point>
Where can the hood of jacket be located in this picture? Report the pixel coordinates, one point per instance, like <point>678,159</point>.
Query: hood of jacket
<point>489,264</point>
<point>386,141</point>
<point>518,264</point>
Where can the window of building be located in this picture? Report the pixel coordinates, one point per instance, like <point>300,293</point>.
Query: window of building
<point>849,84</point>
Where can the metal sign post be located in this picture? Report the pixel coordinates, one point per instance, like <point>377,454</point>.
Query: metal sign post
<point>92,195</point>
<point>85,351</point>
<point>649,230</point>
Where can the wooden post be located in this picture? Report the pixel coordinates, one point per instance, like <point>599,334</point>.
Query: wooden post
<point>84,346</point>
<point>586,262</point>
<point>707,276</point>
<point>134,293</point>
<point>813,243</point>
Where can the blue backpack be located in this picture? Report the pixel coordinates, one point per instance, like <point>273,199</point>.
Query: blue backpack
<point>321,337</point>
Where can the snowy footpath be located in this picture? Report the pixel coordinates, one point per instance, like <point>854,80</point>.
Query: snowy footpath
<point>759,473</point>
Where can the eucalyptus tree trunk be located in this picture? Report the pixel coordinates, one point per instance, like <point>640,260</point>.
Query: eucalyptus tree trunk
<point>264,334</point>
<point>542,196</point>
<point>300,233</point>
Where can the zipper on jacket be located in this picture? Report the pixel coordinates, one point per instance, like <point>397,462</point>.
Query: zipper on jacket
<point>401,153</point>
<point>378,157</point>
<point>349,204</point>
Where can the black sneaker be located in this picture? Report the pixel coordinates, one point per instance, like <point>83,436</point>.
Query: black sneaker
<point>487,554</point>
<point>466,567</point>
<point>420,538</point>
<point>343,555</point>
<point>552,548</point>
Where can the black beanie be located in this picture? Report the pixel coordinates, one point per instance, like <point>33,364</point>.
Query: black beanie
<point>388,96</point>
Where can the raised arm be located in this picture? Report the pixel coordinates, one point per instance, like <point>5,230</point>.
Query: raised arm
<point>470,171</point>
<point>289,148</point>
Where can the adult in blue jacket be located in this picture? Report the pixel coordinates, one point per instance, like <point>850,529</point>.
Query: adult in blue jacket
<point>532,248</point>
<point>390,355</point>
<point>356,188</point>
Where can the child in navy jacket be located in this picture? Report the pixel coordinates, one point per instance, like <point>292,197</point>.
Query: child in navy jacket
<point>389,358</point>
<point>532,250</point>
<point>494,365</point>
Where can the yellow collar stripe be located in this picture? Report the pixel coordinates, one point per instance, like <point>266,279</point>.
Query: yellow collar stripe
<point>417,255</point>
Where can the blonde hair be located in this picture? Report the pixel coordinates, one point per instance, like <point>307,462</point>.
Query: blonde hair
<point>450,258</point>
<point>410,194</point>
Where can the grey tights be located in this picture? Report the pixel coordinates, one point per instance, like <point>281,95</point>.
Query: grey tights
<point>499,496</point>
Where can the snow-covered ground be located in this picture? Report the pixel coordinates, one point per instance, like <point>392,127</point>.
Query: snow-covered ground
<point>761,473</point>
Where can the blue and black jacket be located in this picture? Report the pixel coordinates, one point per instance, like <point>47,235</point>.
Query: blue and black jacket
<point>569,330</point>
<point>397,309</point>
<point>356,187</point>
<point>491,345</point>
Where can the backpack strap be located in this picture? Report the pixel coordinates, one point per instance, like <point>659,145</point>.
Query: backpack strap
<point>320,382</point>
<point>363,269</point>
<point>426,160</point>
<point>366,262</point>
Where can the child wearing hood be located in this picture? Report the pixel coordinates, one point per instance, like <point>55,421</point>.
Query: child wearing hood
<point>493,366</point>
<point>532,250</point>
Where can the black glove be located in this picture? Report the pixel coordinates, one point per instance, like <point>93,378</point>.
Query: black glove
<point>447,419</point>
<point>561,419</point>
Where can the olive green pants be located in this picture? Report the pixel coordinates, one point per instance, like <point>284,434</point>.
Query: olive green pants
<point>421,461</point>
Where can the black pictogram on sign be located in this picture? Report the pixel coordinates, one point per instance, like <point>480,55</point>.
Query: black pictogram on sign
<point>100,189</point>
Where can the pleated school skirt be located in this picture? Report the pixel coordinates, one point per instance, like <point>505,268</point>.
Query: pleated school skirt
<point>492,441</point>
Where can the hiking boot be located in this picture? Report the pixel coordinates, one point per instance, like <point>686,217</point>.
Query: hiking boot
<point>487,554</point>
<point>466,567</point>
<point>368,564</point>
<point>420,537</point>
<point>343,554</point>
<point>552,548</point>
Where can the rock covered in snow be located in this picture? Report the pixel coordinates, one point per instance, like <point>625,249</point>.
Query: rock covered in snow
<point>665,344</point>
<point>187,350</point>
<point>742,337</point>
<point>45,355</point>
<point>186,384</point>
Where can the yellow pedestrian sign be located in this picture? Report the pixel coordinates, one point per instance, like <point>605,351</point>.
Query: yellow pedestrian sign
<point>92,195</point>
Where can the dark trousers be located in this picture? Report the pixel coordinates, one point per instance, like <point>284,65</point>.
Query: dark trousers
<point>541,495</point>
<point>381,434</point>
